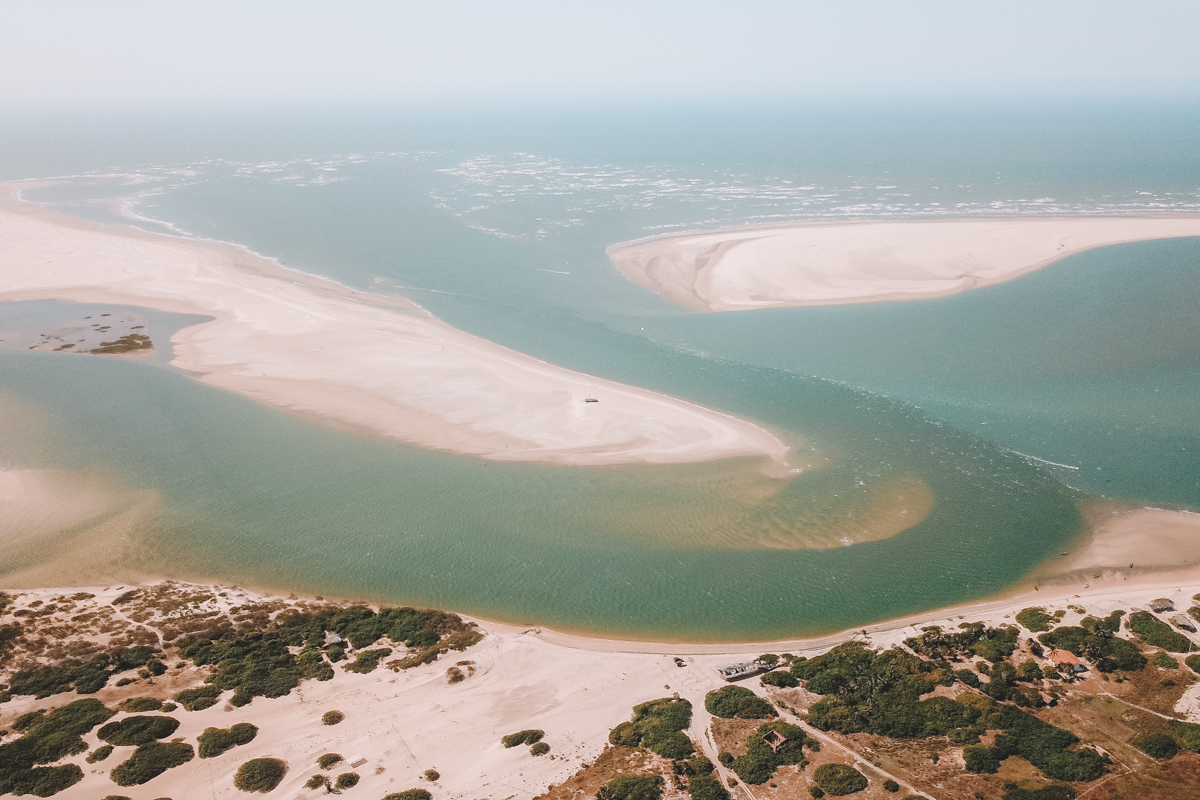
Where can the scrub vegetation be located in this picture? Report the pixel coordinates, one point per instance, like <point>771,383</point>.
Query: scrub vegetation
<point>658,726</point>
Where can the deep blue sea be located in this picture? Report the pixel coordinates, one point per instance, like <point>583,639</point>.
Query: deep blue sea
<point>1013,405</point>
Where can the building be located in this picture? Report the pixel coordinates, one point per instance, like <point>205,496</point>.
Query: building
<point>744,669</point>
<point>1065,658</point>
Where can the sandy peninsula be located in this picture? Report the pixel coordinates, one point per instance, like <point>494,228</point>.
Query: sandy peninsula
<point>820,263</point>
<point>355,360</point>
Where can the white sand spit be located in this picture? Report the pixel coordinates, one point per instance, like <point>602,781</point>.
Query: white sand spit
<point>356,360</point>
<point>812,264</point>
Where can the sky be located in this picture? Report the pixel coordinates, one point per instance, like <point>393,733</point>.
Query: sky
<point>58,53</point>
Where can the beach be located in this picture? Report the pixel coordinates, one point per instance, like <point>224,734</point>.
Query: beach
<point>819,263</point>
<point>357,361</point>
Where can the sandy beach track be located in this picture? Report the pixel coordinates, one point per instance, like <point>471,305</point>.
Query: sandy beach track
<point>358,361</point>
<point>822,263</point>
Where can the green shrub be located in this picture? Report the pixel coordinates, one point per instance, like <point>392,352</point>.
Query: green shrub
<point>411,794</point>
<point>839,780</point>
<point>1096,642</point>
<point>816,791</point>
<point>432,775</point>
<point>317,782</point>
<point>347,780</point>
<point>632,787</point>
<point>891,786</point>
<point>100,753</point>
<point>705,786</point>
<point>198,699</point>
<point>972,638</point>
<point>761,760</point>
<point>981,759</point>
<point>137,705</point>
<point>522,737</point>
<point>138,730</point>
<point>1158,746</point>
<point>1157,633</point>
<point>1193,662</point>
<point>46,738</point>
<point>260,775</point>
<point>1035,620</point>
<point>328,760</point>
<point>1049,792</point>
<point>658,725</point>
<point>737,702</point>
<point>215,741</point>
<point>332,717</point>
<point>780,679</point>
<point>539,749</point>
<point>46,781</point>
<point>968,677</point>
<point>1164,661</point>
<point>368,660</point>
<point>151,760</point>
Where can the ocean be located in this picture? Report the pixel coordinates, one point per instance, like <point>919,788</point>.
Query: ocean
<point>1001,411</point>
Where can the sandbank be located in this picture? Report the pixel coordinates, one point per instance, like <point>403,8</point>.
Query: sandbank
<point>355,360</point>
<point>821,263</point>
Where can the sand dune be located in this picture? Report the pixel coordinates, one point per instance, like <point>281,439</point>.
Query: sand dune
<point>811,264</point>
<point>356,360</point>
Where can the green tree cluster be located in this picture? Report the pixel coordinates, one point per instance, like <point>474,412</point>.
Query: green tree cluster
<point>1159,746</point>
<point>1035,620</point>
<point>760,761</point>
<point>1095,639</point>
<point>972,638</point>
<point>215,741</point>
<point>737,702</point>
<point>46,738</point>
<point>658,725</point>
<point>839,780</point>
<point>1157,633</point>
<point>367,660</point>
<point>1050,749</point>
<point>1189,732</point>
<point>522,737</point>
<point>632,787</point>
<point>151,760</point>
<point>86,677</point>
<point>260,775</point>
<point>198,699</point>
<point>138,730</point>
<point>702,784</point>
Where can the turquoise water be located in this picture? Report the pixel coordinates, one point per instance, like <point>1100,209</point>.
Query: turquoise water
<point>1092,363</point>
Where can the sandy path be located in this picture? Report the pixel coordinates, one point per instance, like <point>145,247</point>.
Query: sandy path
<point>355,360</point>
<point>810,264</point>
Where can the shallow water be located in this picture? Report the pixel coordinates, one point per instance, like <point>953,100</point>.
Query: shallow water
<point>503,234</point>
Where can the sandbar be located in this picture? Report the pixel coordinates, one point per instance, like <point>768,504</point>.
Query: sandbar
<point>359,361</point>
<point>822,263</point>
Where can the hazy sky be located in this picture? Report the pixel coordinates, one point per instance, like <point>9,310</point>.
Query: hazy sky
<point>54,52</point>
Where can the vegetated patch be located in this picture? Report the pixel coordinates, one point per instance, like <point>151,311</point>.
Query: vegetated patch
<point>539,749</point>
<point>632,787</point>
<point>658,725</point>
<point>432,775</point>
<point>737,702</point>
<point>865,691</point>
<point>318,782</point>
<point>198,699</point>
<point>46,738</point>
<point>1164,661</point>
<point>86,677</point>
<point>1095,639</point>
<point>1035,620</point>
<point>138,730</point>
<point>1158,746</point>
<point>1051,791</point>
<point>780,679</point>
<point>215,741</point>
<point>972,639</point>
<point>761,760</point>
<point>260,774</point>
<point>702,784</point>
<point>839,779</point>
<point>99,754</point>
<point>129,343</point>
<point>1193,663</point>
<point>368,660</point>
<point>410,794</point>
<point>151,760</point>
<point>328,760</point>
<point>332,717</point>
<point>1189,732</point>
<point>347,780</point>
<point>522,737</point>
<point>1157,633</point>
<point>137,705</point>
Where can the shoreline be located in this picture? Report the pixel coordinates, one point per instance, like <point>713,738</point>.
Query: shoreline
<point>817,263</point>
<point>365,362</point>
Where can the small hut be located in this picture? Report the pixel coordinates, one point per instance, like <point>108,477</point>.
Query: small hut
<point>744,669</point>
<point>1065,658</point>
<point>1161,604</point>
